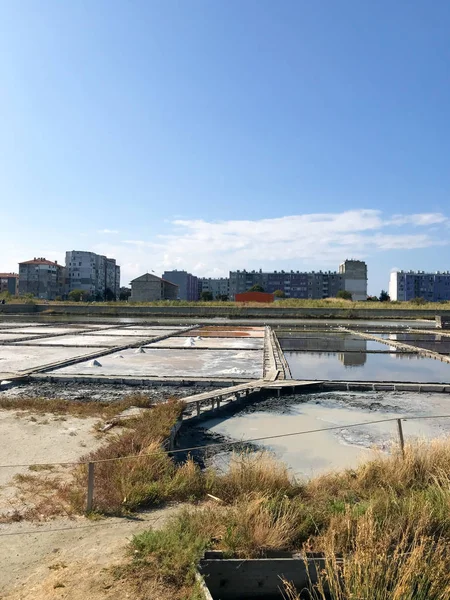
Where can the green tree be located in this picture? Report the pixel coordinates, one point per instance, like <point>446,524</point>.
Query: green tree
<point>384,296</point>
<point>344,295</point>
<point>256,288</point>
<point>124,294</point>
<point>109,295</point>
<point>279,294</point>
<point>419,300</point>
<point>76,295</point>
<point>206,296</point>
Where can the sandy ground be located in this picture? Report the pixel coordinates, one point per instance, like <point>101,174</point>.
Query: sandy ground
<point>27,439</point>
<point>69,559</point>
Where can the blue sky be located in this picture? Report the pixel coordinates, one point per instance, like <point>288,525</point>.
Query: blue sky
<point>211,135</point>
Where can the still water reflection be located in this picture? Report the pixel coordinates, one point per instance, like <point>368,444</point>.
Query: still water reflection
<point>353,366</point>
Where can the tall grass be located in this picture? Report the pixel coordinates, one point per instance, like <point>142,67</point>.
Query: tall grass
<point>123,484</point>
<point>382,564</point>
<point>251,472</point>
<point>384,528</point>
<point>283,303</point>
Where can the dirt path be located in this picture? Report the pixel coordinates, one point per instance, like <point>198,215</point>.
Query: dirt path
<point>69,558</point>
<point>27,438</point>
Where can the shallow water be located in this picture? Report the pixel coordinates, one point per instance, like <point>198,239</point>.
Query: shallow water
<point>361,366</point>
<point>317,452</point>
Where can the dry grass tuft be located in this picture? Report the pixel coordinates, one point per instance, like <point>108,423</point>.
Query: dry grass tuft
<point>76,408</point>
<point>123,485</point>
<point>252,472</point>
<point>257,524</point>
<point>385,564</point>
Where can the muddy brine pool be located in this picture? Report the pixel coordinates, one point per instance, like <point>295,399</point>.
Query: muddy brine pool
<point>314,453</point>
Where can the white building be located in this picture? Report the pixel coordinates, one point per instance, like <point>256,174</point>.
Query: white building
<point>96,275</point>
<point>407,285</point>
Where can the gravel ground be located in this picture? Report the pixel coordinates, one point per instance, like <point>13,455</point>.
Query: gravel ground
<point>93,392</point>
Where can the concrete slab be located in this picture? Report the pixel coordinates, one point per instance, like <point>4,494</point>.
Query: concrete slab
<point>210,342</point>
<point>81,341</point>
<point>14,359</point>
<point>229,333</point>
<point>161,362</point>
<point>44,330</point>
<point>233,327</point>
<point>8,336</point>
<point>170,327</point>
<point>150,332</point>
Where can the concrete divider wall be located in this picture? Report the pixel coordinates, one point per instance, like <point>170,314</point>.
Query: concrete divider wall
<point>258,579</point>
<point>16,309</point>
<point>225,311</point>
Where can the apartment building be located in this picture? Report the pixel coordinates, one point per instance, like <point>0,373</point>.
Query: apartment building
<point>354,273</point>
<point>407,285</point>
<point>352,276</point>
<point>9,282</point>
<point>41,277</point>
<point>186,282</point>
<point>219,287</point>
<point>95,274</point>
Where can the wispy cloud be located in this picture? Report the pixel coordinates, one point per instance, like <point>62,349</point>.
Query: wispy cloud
<point>421,219</point>
<point>107,231</point>
<point>318,240</point>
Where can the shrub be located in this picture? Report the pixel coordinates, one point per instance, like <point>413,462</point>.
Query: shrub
<point>344,295</point>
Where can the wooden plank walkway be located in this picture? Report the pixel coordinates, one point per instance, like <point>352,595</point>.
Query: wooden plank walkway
<point>258,384</point>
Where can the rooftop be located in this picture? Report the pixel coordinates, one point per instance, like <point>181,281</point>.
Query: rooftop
<point>4,275</point>
<point>40,261</point>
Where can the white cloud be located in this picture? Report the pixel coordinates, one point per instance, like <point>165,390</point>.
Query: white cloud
<point>308,241</point>
<point>107,231</point>
<point>421,219</point>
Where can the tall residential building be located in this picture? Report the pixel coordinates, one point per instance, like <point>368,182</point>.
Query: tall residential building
<point>218,286</point>
<point>355,278</point>
<point>96,275</point>
<point>9,282</point>
<point>407,285</point>
<point>41,277</point>
<point>187,284</point>
<point>352,276</point>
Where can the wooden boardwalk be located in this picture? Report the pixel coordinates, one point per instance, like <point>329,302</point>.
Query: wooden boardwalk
<point>236,392</point>
<point>227,395</point>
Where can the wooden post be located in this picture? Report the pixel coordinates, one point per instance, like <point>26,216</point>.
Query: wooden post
<point>197,404</point>
<point>218,403</point>
<point>400,437</point>
<point>90,491</point>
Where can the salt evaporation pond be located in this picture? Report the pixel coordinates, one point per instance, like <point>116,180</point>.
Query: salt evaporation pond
<point>362,366</point>
<point>311,454</point>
